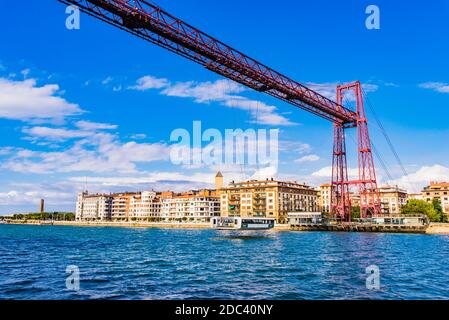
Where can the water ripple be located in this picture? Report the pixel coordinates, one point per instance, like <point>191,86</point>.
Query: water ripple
<point>124,263</point>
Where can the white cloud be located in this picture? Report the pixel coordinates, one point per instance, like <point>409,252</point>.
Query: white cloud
<point>25,72</point>
<point>416,181</point>
<point>326,172</point>
<point>329,89</point>
<point>436,86</point>
<point>88,125</point>
<point>265,173</point>
<point>150,82</point>
<point>96,152</point>
<point>24,100</point>
<point>309,158</point>
<point>87,129</point>
<point>205,91</point>
<point>222,91</point>
<point>54,134</point>
<point>146,178</point>
<point>107,80</point>
<point>225,92</point>
<point>15,197</point>
<point>28,194</point>
<point>261,112</point>
<point>139,136</point>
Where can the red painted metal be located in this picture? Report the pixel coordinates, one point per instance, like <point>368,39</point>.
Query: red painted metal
<point>367,182</point>
<point>157,26</point>
<point>151,23</point>
<point>340,196</point>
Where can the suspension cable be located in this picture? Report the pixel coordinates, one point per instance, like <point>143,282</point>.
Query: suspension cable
<point>385,134</point>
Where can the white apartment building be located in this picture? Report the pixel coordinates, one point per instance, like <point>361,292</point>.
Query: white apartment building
<point>190,207</point>
<point>145,206</point>
<point>96,207</point>
<point>195,206</point>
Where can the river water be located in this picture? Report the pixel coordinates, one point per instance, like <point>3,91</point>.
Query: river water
<point>122,263</point>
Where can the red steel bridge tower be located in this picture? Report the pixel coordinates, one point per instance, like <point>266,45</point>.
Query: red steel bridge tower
<point>151,23</point>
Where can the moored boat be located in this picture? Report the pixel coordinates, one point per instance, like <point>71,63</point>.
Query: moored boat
<point>238,223</point>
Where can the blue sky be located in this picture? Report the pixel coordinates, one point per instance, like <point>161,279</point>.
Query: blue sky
<point>72,113</point>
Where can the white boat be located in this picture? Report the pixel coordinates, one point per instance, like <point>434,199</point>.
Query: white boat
<point>237,223</point>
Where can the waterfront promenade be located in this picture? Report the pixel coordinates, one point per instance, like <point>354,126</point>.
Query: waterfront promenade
<point>433,228</point>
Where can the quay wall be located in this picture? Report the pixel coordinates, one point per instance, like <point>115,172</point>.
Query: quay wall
<point>419,229</point>
<point>433,228</point>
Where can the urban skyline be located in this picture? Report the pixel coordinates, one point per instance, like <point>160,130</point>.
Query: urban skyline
<point>267,198</point>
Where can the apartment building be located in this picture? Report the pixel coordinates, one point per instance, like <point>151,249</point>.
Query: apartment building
<point>392,199</point>
<point>149,206</point>
<point>439,191</point>
<point>97,207</point>
<point>415,196</point>
<point>193,206</point>
<point>121,203</point>
<point>145,206</point>
<point>324,198</point>
<point>267,198</point>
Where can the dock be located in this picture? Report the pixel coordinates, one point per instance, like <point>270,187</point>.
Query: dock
<point>356,227</point>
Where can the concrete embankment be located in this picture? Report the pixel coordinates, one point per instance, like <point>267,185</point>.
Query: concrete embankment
<point>419,229</point>
<point>118,224</point>
<point>434,228</point>
<point>438,228</point>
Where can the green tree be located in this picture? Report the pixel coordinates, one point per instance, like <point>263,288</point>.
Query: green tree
<point>355,212</point>
<point>439,209</point>
<point>421,207</point>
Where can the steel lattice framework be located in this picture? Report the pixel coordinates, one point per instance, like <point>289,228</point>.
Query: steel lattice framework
<point>157,26</point>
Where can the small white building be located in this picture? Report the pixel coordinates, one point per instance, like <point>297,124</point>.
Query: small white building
<point>304,218</point>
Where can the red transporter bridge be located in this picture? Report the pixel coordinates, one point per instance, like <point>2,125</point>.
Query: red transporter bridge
<point>157,26</point>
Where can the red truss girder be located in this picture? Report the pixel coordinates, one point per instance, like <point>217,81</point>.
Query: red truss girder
<point>151,23</point>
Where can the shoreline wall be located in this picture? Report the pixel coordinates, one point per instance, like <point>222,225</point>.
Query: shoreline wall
<point>433,228</point>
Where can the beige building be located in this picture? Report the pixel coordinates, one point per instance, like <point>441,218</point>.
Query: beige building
<point>439,191</point>
<point>268,199</point>
<point>324,198</point>
<point>415,196</point>
<point>392,199</point>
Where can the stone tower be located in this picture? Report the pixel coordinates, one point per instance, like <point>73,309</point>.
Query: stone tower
<point>219,182</point>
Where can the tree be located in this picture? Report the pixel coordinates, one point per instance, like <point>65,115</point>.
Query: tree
<point>439,209</point>
<point>355,212</point>
<point>421,207</point>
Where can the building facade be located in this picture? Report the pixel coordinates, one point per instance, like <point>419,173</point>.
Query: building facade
<point>439,191</point>
<point>193,206</point>
<point>97,207</point>
<point>149,206</point>
<point>268,199</point>
<point>145,206</point>
<point>392,199</point>
<point>324,198</point>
